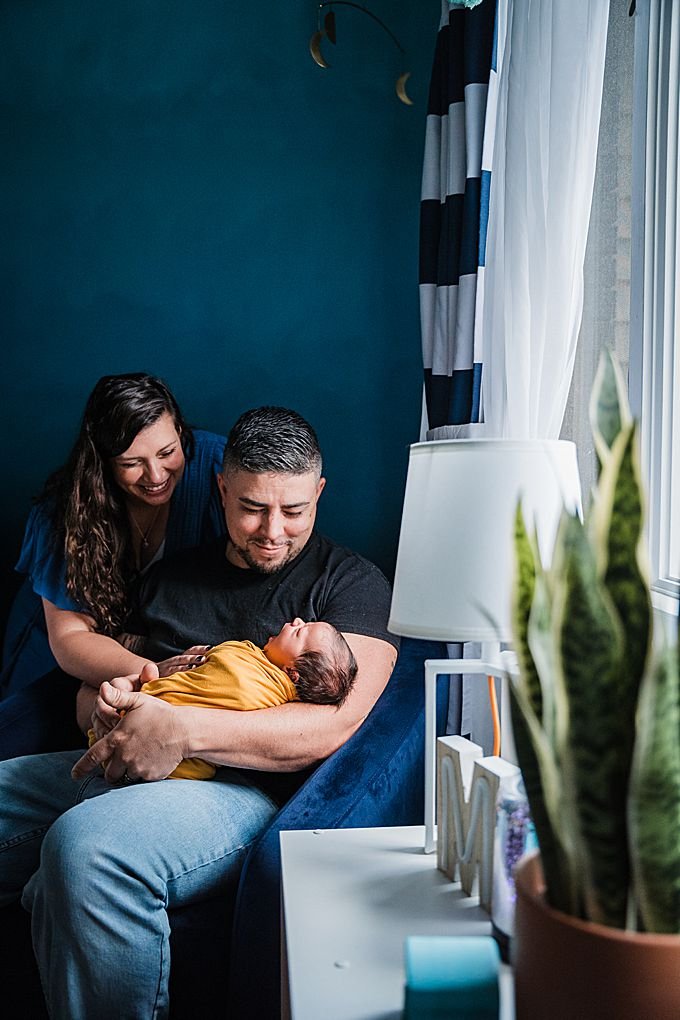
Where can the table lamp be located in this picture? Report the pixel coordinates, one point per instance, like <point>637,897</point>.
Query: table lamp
<point>455,559</point>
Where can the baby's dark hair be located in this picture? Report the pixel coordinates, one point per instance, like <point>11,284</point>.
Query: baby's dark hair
<point>326,678</point>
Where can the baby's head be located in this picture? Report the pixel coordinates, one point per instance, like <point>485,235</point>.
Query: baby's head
<point>317,659</point>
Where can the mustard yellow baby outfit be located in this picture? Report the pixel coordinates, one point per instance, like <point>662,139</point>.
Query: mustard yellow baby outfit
<point>235,674</point>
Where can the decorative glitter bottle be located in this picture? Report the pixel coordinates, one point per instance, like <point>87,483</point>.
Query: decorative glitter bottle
<point>515,835</point>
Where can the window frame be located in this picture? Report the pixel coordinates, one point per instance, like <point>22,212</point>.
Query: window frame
<point>654,366</point>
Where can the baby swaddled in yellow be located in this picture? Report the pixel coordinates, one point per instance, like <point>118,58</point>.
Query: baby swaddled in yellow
<point>305,661</point>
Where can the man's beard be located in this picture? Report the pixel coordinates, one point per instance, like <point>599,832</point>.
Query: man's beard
<point>266,567</point>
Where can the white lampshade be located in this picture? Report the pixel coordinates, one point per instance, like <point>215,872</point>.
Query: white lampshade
<point>455,559</point>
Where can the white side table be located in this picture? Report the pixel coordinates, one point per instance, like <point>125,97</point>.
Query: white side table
<point>350,898</point>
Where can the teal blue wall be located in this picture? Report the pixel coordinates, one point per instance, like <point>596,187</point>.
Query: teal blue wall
<point>185,192</point>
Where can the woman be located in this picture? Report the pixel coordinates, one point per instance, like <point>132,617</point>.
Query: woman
<point>137,484</point>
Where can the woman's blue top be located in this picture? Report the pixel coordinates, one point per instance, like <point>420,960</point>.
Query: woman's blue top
<point>196,516</point>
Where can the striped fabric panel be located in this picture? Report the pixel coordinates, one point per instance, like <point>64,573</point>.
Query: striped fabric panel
<point>487,163</point>
<point>451,199</point>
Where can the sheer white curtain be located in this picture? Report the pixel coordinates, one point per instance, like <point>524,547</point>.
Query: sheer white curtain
<point>550,60</point>
<point>606,320</point>
<point>545,147</point>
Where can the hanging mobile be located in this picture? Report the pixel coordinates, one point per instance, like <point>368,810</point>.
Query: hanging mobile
<point>327,31</point>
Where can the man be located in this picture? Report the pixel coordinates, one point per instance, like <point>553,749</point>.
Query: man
<point>110,865</point>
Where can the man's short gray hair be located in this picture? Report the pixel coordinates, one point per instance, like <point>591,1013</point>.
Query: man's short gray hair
<point>272,439</point>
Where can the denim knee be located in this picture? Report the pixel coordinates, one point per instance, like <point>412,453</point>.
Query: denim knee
<point>66,870</point>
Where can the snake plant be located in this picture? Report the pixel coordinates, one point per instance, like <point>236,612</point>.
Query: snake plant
<point>596,703</point>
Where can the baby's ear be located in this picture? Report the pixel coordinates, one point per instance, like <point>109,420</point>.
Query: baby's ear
<point>292,673</point>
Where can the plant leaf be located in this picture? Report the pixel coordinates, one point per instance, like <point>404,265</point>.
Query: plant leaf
<point>526,562</point>
<point>617,535</point>
<point>542,635</point>
<point>534,754</point>
<point>654,807</point>
<point>594,764</point>
<point>609,411</point>
<point>541,781</point>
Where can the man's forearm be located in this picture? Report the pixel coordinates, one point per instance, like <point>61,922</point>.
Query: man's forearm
<point>284,739</point>
<point>292,736</point>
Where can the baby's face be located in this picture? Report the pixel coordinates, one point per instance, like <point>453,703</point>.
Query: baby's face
<point>295,638</point>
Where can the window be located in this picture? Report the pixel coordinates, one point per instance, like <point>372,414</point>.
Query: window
<point>607,269</point>
<point>655,296</point>
<point>632,294</point>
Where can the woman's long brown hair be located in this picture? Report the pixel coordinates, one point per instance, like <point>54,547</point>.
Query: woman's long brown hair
<point>87,507</point>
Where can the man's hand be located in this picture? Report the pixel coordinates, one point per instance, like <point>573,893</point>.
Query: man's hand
<point>104,718</point>
<point>147,743</point>
<point>91,713</point>
<point>105,715</point>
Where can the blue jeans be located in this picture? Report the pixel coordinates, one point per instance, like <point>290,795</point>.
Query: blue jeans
<point>98,865</point>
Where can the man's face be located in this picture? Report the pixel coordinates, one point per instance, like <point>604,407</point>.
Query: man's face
<point>269,516</point>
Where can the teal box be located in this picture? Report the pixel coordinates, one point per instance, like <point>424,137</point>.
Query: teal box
<point>451,977</point>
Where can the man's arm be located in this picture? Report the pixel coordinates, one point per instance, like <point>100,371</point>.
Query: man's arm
<point>153,737</point>
<point>294,735</point>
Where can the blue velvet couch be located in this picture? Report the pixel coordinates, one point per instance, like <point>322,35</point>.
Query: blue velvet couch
<point>226,952</point>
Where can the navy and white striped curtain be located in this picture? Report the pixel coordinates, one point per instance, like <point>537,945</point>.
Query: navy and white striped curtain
<point>453,212</point>
<point>510,151</point>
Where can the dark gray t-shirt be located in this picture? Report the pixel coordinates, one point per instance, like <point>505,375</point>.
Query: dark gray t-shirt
<point>198,597</point>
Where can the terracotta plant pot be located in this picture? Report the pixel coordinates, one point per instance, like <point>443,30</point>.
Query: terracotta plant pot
<point>566,969</point>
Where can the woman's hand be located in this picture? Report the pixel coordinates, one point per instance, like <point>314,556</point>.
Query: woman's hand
<point>193,657</point>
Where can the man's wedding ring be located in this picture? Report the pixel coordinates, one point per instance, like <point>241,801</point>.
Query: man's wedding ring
<point>125,778</point>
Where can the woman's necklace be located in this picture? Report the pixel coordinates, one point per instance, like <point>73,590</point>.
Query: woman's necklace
<point>146,534</point>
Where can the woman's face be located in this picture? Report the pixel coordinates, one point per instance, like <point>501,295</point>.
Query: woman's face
<point>149,470</point>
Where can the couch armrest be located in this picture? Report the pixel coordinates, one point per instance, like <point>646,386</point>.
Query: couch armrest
<point>375,779</point>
